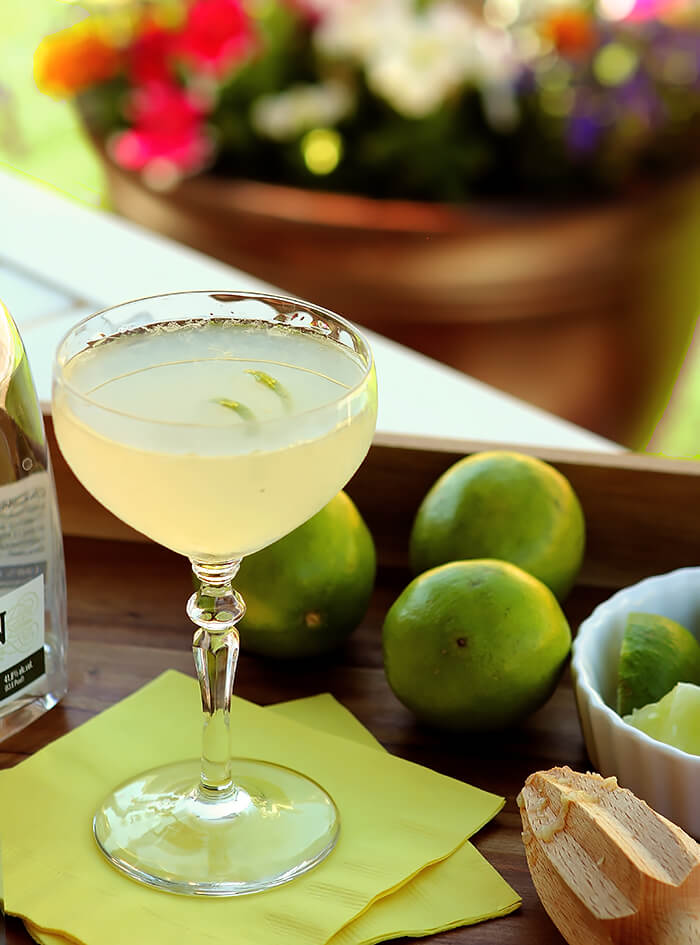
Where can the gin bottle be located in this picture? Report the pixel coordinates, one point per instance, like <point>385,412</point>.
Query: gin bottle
<point>33,629</point>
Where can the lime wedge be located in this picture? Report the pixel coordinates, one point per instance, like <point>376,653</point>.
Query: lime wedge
<point>675,719</point>
<point>656,654</point>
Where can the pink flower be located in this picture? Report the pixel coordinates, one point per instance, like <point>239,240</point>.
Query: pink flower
<point>168,136</point>
<point>217,35</point>
<point>648,9</point>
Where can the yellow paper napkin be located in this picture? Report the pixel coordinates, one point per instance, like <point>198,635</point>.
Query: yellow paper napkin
<point>396,817</point>
<point>462,889</point>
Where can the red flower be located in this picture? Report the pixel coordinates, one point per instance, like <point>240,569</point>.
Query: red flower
<point>150,54</point>
<point>217,35</point>
<point>168,132</point>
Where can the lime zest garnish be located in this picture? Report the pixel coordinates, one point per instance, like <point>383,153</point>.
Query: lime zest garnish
<point>269,381</point>
<point>245,413</point>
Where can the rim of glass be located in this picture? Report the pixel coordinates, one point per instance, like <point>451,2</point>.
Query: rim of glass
<point>237,295</point>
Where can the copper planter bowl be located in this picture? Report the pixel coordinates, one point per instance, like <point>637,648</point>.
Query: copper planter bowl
<point>586,313</point>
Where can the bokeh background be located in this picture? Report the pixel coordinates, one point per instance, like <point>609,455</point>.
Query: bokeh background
<point>43,138</point>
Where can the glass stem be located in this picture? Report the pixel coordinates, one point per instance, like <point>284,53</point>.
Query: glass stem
<point>216,609</point>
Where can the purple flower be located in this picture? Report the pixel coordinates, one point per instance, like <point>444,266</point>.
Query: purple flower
<point>583,133</point>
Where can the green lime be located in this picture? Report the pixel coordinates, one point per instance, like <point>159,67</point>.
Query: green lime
<point>306,593</point>
<point>674,719</point>
<point>504,505</point>
<point>656,653</point>
<point>474,645</point>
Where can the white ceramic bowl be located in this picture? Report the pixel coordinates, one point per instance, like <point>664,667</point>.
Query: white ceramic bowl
<point>665,777</point>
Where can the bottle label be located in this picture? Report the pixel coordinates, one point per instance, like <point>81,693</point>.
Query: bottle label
<point>24,529</point>
<point>21,637</point>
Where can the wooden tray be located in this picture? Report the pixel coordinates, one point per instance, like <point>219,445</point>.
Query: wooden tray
<point>126,614</point>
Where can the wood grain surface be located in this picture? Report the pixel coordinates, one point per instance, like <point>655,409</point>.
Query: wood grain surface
<point>127,625</point>
<point>122,636</point>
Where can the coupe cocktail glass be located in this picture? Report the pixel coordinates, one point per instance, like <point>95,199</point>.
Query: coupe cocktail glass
<point>215,423</point>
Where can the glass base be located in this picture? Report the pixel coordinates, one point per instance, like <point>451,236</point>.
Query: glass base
<point>23,710</point>
<point>160,829</point>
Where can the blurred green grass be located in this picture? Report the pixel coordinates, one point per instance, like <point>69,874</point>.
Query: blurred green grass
<point>42,138</point>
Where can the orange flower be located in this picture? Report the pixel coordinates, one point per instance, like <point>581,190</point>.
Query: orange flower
<point>65,63</point>
<point>571,31</point>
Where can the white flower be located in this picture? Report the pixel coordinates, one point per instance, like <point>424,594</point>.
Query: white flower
<point>495,59</point>
<point>411,58</point>
<point>300,108</point>
<point>418,69</point>
<point>415,58</point>
<point>356,29</point>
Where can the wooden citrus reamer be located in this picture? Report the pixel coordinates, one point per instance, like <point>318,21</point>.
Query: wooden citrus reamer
<point>607,868</point>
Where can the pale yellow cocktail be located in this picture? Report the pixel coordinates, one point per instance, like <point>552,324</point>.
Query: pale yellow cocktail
<point>217,438</point>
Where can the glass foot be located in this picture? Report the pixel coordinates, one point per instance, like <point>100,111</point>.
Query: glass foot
<point>160,829</point>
